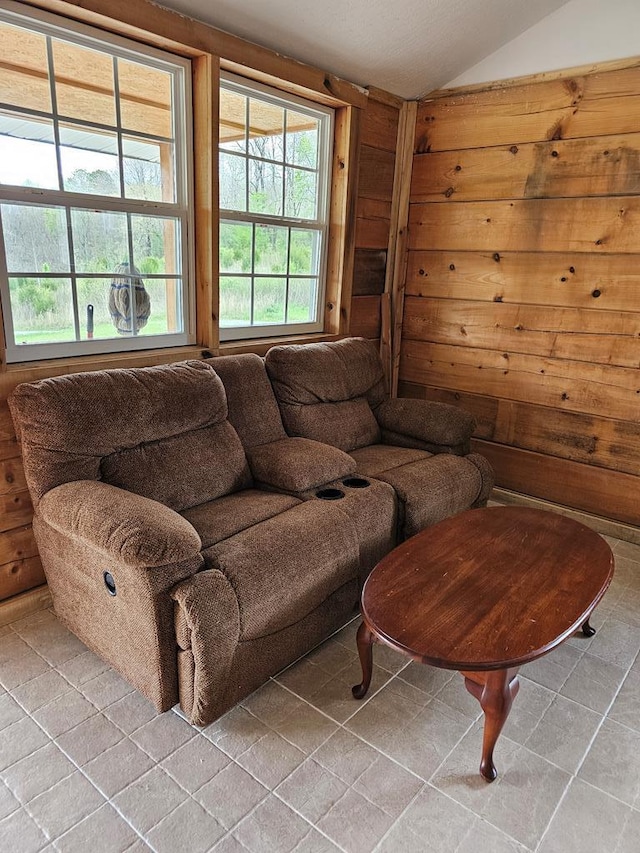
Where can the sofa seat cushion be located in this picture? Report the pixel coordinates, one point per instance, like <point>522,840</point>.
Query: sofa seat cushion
<point>224,517</point>
<point>433,489</point>
<point>285,567</point>
<point>376,458</point>
<point>298,464</point>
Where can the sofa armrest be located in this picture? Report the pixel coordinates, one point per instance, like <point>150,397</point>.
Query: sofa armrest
<point>433,423</point>
<point>132,529</point>
<point>298,464</point>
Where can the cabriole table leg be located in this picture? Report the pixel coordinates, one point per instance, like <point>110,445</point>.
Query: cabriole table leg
<point>365,640</point>
<point>496,691</point>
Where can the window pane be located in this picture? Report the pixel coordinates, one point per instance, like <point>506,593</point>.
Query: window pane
<point>304,254</point>
<point>148,170</point>
<point>84,83</point>
<point>303,300</point>
<point>99,240</point>
<point>27,152</point>
<point>233,182</point>
<point>145,99</point>
<point>35,238</point>
<point>24,81</point>
<point>166,299</point>
<point>235,247</point>
<point>269,300</point>
<point>265,188</point>
<point>42,310</point>
<point>156,245</point>
<point>271,249</point>
<point>302,140</point>
<point>89,161</point>
<point>266,130</point>
<point>233,119</point>
<point>300,194</point>
<point>235,301</point>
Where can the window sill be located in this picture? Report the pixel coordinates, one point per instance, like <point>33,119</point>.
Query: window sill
<point>261,345</point>
<point>31,371</point>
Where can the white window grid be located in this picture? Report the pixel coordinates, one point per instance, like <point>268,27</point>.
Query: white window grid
<point>320,224</point>
<point>180,210</point>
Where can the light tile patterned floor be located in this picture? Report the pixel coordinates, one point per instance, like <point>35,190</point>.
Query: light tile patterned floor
<point>87,765</point>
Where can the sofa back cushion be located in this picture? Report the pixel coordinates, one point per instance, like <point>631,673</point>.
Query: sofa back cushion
<point>158,431</point>
<point>326,391</point>
<point>253,409</point>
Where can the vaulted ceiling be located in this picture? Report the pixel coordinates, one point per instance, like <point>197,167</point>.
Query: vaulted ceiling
<point>408,47</point>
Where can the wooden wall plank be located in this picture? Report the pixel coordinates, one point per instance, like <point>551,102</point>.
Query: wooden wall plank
<point>369,271</point>
<point>589,439</point>
<point>605,282</point>
<point>545,225</point>
<point>597,490</point>
<point>17,544</point>
<point>16,510</point>
<point>365,316</point>
<point>605,337</point>
<point>602,165</point>
<point>20,575</point>
<point>581,106</point>
<point>373,208</point>
<point>380,126</point>
<point>372,233</point>
<point>375,178</point>
<point>567,385</point>
<point>12,476</point>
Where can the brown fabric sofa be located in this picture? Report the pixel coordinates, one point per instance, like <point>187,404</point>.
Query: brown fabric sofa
<point>335,393</point>
<point>183,531</point>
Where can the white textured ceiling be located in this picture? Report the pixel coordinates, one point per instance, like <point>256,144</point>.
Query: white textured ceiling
<point>408,47</point>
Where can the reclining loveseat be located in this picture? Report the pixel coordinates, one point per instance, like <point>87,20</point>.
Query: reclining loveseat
<point>200,532</point>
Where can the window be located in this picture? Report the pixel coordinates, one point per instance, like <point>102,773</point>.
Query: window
<point>94,191</point>
<point>275,154</point>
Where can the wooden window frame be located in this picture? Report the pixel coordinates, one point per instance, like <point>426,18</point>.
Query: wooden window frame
<point>210,50</point>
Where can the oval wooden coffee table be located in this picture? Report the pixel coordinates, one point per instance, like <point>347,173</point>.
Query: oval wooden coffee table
<point>484,592</point>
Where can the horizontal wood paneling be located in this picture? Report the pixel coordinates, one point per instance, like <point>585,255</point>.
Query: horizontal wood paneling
<point>365,316</point>
<point>605,337</point>
<point>17,544</point>
<point>597,490</point>
<point>523,280</point>
<point>372,233</point>
<point>601,166</point>
<point>20,575</point>
<point>379,127</point>
<point>544,225</point>
<point>609,282</point>
<point>15,510</point>
<point>568,385</point>
<point>375,179</point>
<point>589,439</point>
<point>369,271</point>
<point>590,105</point>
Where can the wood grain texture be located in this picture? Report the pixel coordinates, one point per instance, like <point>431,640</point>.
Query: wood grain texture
<point>365,316</point>
<point>567,385</point>
<point>581,106</point>
<point>375,178</point>
<point>601,491</point>
<point>20,575</point>
<point>605,337</point>
<point>380,126</point>
<point>589,439</point>
<point>598,166</point>
<point>576,280</point>
<point>529,225</point>
<point>372,234</point>
<point>369,271</point>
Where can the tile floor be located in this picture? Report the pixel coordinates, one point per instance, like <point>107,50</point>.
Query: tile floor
<point>87,765</point>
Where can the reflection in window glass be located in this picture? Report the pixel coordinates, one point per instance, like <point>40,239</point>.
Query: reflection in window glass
<point>84,83</point>
<point>100,241</point>
<point>24,81</point>
<point>27,151</point>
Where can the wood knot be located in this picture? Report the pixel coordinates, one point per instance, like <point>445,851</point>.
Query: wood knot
<point>449,192</point>
<point>554,154</point>
<point>452,267</point>
<point>564,278</point>
<point>564,395</point>
<point>572,269</point>
<point>595,293</point>
<point>327,83</point>
<point>329,306</point>
<point>497,298</point>
<point>514,149</point>
<point>496,257</point>
<point>420,272</point>
<point>458,168</point>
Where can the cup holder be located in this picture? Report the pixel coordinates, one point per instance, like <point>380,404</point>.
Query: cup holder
<point>330,494</point>
<point>356,483</point>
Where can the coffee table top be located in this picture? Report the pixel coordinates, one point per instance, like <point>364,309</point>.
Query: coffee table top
<point>488,589</point>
